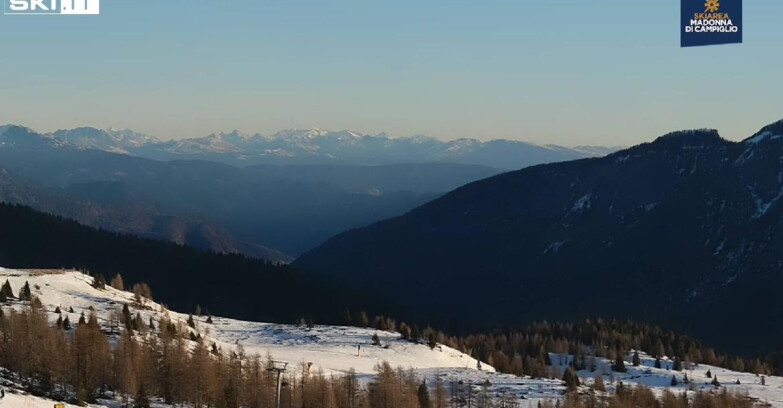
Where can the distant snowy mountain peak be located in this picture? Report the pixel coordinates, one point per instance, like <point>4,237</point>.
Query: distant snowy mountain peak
<point>24,138</point>
<point>110,140</point>
<point>131,138</point>
<point>320,146</point>
<point>298,134</point>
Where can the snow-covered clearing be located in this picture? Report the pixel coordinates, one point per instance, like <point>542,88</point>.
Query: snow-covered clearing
<point>334,348</point>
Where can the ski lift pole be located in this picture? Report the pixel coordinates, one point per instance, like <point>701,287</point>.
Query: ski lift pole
<point>279,367</point>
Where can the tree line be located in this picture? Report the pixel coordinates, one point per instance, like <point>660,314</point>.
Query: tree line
<point>136,361</point>
<point>526,351</point>
<point>124,357</point>
<point>82,365</point>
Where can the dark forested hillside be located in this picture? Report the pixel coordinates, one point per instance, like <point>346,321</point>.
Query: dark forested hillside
<point>115,207</point>
<point>684,231</point>
<point>181,277</point>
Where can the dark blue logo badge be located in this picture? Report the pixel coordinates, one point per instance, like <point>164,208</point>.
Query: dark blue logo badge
<point>710,22</point>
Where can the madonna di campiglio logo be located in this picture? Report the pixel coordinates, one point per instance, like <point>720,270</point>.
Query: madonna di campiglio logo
<point>710,22</point>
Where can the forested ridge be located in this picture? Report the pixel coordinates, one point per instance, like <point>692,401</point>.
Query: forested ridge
<point>228,284</point>
<point>244,288</point>
<point>525,350</point>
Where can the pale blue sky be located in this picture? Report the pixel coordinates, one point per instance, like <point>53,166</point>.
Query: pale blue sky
<point>569,72</point>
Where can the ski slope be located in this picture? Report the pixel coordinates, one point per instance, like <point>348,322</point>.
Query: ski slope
<point>334,348</point>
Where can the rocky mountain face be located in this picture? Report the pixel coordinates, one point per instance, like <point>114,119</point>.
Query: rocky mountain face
<point>686,231</point>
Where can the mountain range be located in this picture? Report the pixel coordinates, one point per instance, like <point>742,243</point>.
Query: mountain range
<point>268,211</point>
<point>690,223</point>
<point>317,146</point>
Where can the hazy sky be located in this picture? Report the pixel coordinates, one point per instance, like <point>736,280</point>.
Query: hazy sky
<point>569,72</point>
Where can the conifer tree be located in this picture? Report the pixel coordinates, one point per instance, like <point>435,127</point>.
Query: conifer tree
<point>571,379</point>
<point>127,319</point>
<point>93,321</point>
<point>636,360</point>
<point>674,381</point>
<point>25,293</point>
<point>99,282</point>
<point>376,341</point>
<point>709,374</point>
<point>405,331</point>
<point>6,291</point>
<point>677,364</point>
<point>440,396</point>
<point>141,400</point>
<point>598,383</point>
<point>657,362</point>
<point>138,323</point>
<point>191,322</point>
<point>117,282</point>
<point>431,341</point>
<point>346,319</point>
<point>415,334</point>
<point>715,381</point>
<point>364,321</point>
<point>67,323</point>
<point>619,364</point>
<point>423,395</point>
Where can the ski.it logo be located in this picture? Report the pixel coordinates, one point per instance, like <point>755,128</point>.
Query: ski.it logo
<point>51,6</point>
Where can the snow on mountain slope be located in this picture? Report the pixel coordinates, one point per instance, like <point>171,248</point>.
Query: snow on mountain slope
<point>659,379</point>
<point>110,140</point>
<point>21,400</point>
<point>334,349</point>
<point>17,399</point>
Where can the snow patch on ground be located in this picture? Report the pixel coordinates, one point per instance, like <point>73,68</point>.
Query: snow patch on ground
<point>582,203</point>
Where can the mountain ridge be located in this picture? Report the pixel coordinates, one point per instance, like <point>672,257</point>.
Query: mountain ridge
<point>319,146</point>
<point>689,216</point>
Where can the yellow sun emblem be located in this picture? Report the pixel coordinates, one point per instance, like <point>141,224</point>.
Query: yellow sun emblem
<point>711,6</point>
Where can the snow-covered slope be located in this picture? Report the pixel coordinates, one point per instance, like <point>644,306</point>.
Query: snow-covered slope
<point>334,348</point>
<point>23,400</point>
